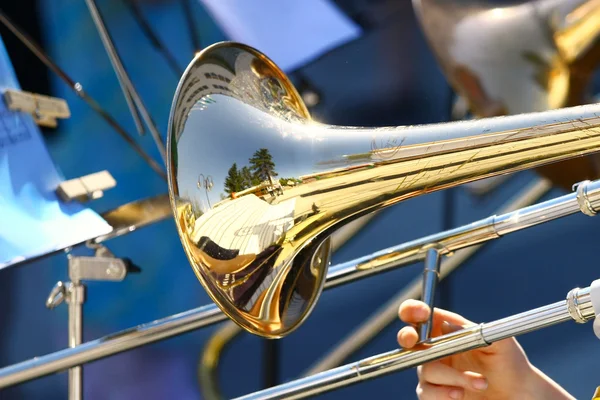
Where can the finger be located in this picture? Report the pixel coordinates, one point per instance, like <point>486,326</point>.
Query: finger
<point>413,312</point>
<point>428,391</point>
<point>441,374</point>
<point>407,337</point>
<point>448,327</point>
<point>440,316</point>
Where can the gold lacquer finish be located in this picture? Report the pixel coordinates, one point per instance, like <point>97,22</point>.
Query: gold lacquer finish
<point>531,55</point>
<point>257,187</point>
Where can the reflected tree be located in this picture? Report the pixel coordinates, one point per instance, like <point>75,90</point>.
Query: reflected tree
<point>261,169</point>
<point>234,181</point>
<point>262,165</point>
<point>248,178</point>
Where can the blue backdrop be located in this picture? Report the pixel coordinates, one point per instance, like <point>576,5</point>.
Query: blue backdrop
<point>514,274</point>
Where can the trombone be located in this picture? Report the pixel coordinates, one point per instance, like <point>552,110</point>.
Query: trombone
<point>260,250</point>
<point>333,185</point>
<point>260,245</point>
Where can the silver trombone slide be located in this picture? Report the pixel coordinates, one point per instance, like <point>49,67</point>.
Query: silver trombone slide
<point>580,305</point>
<point>585,199</point>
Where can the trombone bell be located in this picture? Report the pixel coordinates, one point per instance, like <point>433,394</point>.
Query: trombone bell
<point>257,187</point>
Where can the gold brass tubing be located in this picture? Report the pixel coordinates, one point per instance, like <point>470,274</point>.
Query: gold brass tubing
<point>208,367</point>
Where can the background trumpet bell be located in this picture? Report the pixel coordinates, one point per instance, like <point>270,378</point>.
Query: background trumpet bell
<point>517,57</point>
<point>257,187</point>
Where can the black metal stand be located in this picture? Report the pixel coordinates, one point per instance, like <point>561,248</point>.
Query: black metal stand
<point>271,360</point>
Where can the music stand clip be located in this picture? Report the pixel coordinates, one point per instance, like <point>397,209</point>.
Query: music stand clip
<point>85,188</point>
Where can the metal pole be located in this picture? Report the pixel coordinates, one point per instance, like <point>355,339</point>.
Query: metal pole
<point>191,24</point>
<point>152,37</point>
<point>75,300</point>
<point>126,84</point>
<point>431,276</point>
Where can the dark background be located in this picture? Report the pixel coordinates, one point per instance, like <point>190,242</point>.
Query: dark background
<point>388,77</point>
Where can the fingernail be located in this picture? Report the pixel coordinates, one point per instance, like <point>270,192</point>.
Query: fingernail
<point>480,384</point>
<point>401,336</point>
<point>455,394</point>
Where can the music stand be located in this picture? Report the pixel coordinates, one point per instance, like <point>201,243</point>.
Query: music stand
<point>43,214</point>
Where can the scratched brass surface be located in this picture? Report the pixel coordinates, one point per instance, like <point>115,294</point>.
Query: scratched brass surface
<point>258,240</point>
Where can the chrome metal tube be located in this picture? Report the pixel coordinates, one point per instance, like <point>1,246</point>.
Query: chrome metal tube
<point>431,275</point>
<point>117,66</point>
<point>111,344</point>
<point>75,300</point>
<point>396,256</point>
<point>577,306</point>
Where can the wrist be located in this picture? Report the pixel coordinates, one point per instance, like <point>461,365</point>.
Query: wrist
<point>540,386</point>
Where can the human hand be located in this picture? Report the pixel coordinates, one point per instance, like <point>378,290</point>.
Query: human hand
<point>499,371</point>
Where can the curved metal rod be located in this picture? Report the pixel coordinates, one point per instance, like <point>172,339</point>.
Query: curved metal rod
<point>581,305</point>
<point>208,366</point>
<point>586,199</point>
<point>78,89</point>
<point>388,313</point>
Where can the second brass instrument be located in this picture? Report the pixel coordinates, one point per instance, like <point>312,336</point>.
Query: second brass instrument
<point>516,57</point>
<point>258,238</point>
